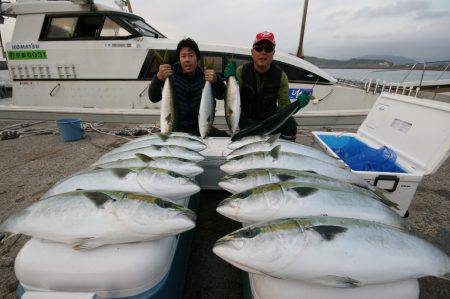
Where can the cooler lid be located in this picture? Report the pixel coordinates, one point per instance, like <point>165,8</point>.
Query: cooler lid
<point>418,130</point>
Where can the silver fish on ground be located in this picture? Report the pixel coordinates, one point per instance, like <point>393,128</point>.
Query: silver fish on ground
<point>248,140</point>
<point>232,105</point>
<point>338,252</point>
<point>89,219</point>
<point>153,151</point>
<point>164,136</point>
<point>287,147</point>
<point>276,159</point>
<point>178,165</point>
<point>290,199</point>
<point>249,179</point>
<point>207,110</point>
<point>167,107</point>
<point>166,141</point>
<point>153,181</point>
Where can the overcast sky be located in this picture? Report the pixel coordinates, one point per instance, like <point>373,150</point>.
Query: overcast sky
<point>419,29</point>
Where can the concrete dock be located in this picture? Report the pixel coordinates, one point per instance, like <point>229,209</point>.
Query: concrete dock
<point>30,165</point>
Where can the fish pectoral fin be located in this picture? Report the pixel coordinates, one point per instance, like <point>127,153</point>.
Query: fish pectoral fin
<point>328,232</point>
<point>169,118</point>
<point>273,138</point>
<point>144,158</point>
<point>163,136</point>
<point>98,198</point>
<point>275,152</point>
<point>86,243</point>
<point>121,172</point>
<point>311,171</point>
<point>304,191</point>
<point>338,281</point>
<point>285,177</point>
<point>6,236</point>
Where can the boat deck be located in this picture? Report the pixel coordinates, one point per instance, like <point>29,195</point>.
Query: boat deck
<point>30,165</point>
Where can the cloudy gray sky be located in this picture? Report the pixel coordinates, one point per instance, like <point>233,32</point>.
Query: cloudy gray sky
<point>339,29</point>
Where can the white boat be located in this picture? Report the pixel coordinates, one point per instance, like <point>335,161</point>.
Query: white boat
<point>96,62</point>
<point>75,58</point>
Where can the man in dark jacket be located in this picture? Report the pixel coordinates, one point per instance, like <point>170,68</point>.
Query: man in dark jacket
<point>263,86</point>
<point>188,81</point>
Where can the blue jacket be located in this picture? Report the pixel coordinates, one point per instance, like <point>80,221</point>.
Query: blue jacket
<point>187,90</point>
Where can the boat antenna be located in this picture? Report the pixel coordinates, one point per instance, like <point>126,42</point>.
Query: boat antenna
<point>129,6</point>
<point>123,3</point>
<point>300,53</point>
<point>2,21</point>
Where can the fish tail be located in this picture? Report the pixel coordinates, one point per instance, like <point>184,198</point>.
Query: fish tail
<point>6,236</point>
<point>380,195</point>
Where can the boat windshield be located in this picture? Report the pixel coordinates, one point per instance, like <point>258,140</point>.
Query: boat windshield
<point>143,28</point>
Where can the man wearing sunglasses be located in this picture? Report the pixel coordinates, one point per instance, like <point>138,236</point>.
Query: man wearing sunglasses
<point>263,86</point>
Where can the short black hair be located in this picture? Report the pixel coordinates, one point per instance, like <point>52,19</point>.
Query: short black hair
<point>190,43</point>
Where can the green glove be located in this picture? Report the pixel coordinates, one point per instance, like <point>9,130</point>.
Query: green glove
<point>303,99</point>
<point>230,69</point>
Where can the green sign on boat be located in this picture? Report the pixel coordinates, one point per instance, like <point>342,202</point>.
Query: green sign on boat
<point>27,55</point>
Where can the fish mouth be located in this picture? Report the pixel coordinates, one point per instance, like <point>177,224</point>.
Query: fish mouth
<point>189,214</point>
<point>227,186</point>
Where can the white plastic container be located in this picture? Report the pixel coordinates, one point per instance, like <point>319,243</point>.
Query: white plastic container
<point>215,154</point>
<point>265,287</point>
<point>417,130</point>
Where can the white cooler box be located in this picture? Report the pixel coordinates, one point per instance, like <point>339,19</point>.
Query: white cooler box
<point>265,287</point>
<point>417,131</point>
<point>215,155</point>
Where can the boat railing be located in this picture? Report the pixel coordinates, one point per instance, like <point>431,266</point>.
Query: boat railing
<point>404,87</point>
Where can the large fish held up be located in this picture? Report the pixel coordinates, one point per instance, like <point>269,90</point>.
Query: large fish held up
<point>294,199</point>
<point>285,146</point>
<point>178,165</point>
<point>207,110</point>
<point>153,181</point>
<point>89,219</point>
<point>161,140</point>
<point>167,98</point>
<point>270,124</point>
<point>249,179</point>
<point>232,105</point>
<point>338,252</point>
<point>153,151</point>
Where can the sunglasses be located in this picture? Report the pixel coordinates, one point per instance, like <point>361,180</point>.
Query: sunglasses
<point>266,48</point>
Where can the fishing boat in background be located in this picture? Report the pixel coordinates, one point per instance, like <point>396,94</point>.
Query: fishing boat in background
<point>95,62</point>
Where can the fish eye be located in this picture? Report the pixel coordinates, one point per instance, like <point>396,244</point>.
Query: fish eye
<point>244,194</point>
<point>250,233</point>
<point>240,175</point>
<point>174,174</point>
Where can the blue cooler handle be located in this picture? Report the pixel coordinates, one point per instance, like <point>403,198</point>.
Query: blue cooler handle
<point>393,178</point>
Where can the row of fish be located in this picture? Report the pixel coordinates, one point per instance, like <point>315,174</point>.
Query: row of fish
<point>134,193</point>
<point>311,219</point>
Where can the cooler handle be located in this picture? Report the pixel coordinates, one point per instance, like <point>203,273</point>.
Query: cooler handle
<point>388,178</point>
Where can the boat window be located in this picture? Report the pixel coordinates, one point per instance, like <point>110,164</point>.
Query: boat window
<point>297,74</point>
<point>215,60</point>
<point>62,27</point>
<point>241,61</point>
<point>88,26</point>
<point>142,27</point>
<point>112,29</point>
<point>151,64</point>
